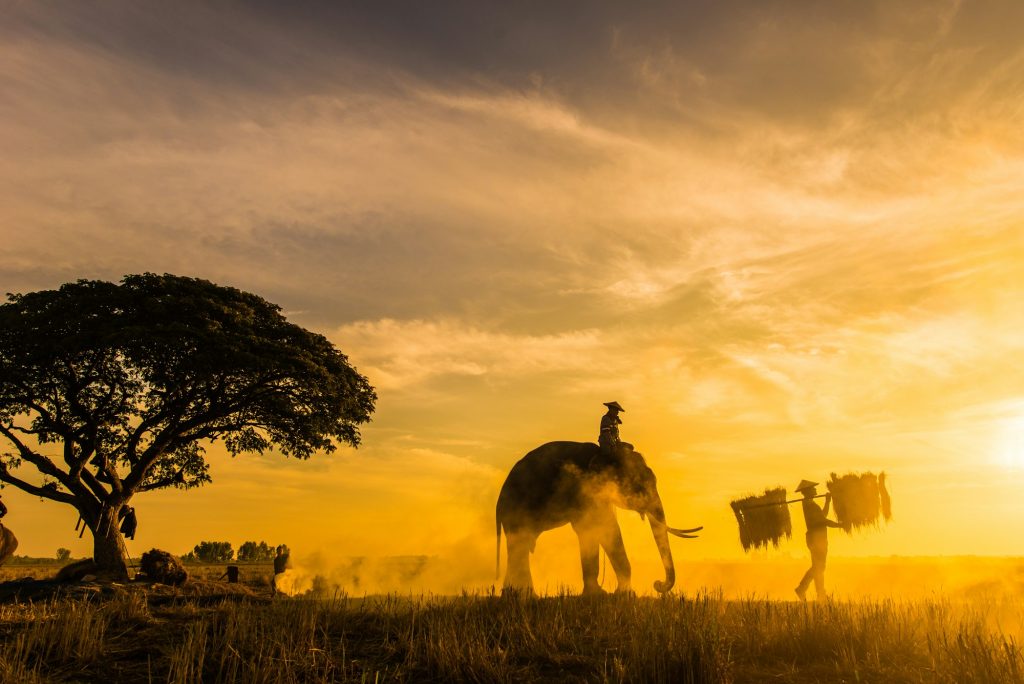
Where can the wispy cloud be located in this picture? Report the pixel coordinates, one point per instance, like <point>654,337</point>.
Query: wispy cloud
<point>773,233</point>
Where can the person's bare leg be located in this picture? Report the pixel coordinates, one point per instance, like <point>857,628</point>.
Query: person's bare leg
<point>801,589</point>
<point>819,574</point>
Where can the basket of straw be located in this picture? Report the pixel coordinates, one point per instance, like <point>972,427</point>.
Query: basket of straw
<point>860,500</point>
<point>763,519</point>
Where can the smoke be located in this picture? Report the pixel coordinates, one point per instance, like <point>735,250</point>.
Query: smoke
<point>468,567</point>
<point>293,582</point>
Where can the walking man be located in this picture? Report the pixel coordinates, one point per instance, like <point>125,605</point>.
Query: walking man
<point>817,539</point>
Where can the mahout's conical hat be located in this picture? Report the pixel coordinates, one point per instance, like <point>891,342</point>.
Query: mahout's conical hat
<point>805,484</point>
<point>614,405</point>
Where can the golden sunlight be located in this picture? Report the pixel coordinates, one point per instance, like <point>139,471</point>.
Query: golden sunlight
<point>1009,447</point>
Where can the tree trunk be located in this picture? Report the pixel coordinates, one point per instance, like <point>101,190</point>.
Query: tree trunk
<point>108,548</point>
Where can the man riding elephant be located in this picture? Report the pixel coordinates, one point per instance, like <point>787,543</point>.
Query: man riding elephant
<point>608,439</point>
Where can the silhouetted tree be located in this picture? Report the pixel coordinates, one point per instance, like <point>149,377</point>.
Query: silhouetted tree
<point>251,551</point>
<point>213,552</point>
<point>63,554</point>
<point>109,390</point>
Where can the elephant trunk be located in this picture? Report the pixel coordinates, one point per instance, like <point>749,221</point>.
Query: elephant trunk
<point>660,531</point>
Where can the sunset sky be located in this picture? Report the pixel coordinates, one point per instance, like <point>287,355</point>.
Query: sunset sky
<point>788,238</point>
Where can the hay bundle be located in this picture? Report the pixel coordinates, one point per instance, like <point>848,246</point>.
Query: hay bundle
<point>860,499</point>
<point>763,519</point>
<point>8,543</point>
<point>163,568</point>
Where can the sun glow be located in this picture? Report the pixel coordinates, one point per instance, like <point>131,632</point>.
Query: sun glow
<point>1010,444</point>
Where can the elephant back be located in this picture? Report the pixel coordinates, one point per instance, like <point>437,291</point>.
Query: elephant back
<point>545,479</point>
<point>552,458</point>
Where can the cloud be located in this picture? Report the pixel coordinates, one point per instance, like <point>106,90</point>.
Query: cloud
<point>403,353</point>
<point>774,232</point>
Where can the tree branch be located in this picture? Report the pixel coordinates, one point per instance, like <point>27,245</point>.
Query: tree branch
<point>177,478</point>
<point>46,492</point>
<point>94,485</point>
<point>43,464</point>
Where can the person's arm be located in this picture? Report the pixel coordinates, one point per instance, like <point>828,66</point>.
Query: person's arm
<point>830,523</point>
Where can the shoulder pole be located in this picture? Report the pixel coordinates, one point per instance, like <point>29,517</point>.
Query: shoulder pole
<point>779,503</point>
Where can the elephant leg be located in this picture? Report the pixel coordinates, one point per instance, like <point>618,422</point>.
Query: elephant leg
<point>589,537</point>
<point>517,576</point>
<point>611,541</point>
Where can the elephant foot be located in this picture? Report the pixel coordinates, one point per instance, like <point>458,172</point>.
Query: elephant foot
<point>593,590</point>
<point>625,591</point>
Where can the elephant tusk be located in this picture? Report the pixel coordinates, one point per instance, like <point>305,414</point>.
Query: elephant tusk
<point>685,534</point>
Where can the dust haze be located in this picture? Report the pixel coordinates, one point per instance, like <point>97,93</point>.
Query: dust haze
<point>467,565</point>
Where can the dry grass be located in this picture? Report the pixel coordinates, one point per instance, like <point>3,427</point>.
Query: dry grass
<point>491,639</point>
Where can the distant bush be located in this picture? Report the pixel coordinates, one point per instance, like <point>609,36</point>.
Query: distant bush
<point>211,552</point>
<point>28,560</point>
<point>252,551</point>
<point>63,554</point>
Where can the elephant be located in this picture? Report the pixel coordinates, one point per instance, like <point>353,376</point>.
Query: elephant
<point>579,484</point>
<point>8,543</point>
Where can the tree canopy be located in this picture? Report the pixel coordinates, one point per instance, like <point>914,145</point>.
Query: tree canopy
<point>211,552</point>
<point>110,389</point>
<point>252,551</point>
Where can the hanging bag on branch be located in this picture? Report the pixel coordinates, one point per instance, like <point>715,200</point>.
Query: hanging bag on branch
<point>763,519</point>
<point>860,500</point>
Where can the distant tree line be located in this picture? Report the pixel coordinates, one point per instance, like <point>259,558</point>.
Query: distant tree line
<point>222,552</point>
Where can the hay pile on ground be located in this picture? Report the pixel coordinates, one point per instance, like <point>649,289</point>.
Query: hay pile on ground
<point>160,566</point>
<point>764,519</point>
<point>860,500</point>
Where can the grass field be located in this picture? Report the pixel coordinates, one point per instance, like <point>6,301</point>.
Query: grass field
<point>200,634</point>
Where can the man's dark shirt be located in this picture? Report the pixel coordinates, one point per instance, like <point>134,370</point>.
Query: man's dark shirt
<point>610,427</point>
<point>813,515</point>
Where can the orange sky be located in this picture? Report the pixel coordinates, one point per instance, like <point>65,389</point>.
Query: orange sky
<point>788,242</point>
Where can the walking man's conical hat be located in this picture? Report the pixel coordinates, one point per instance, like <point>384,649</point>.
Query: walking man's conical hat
<point>614,405</point>
<point>805,484</point>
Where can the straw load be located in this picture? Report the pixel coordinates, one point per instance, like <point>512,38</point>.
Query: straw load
<point>764,519</point>
<point>860,500</point>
